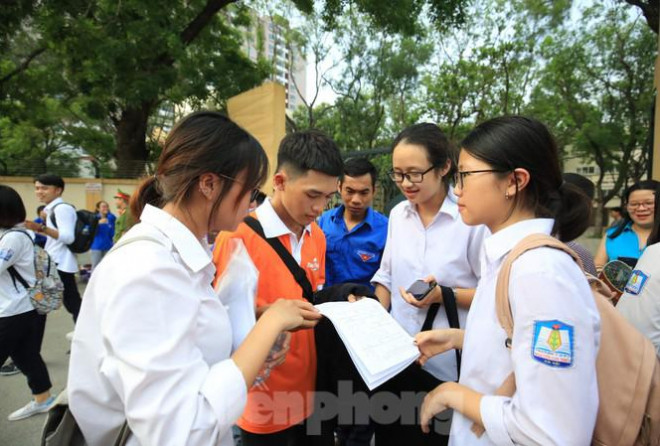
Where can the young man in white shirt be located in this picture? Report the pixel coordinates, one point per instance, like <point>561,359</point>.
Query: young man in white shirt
<point>49,188</point>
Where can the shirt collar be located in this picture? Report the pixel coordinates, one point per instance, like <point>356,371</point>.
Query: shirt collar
<point>194,253</point>
<point>500,243</point>
<point>448,207</point>
<point>272,223</point>
<point>337,214</point>
<point>52,204</point>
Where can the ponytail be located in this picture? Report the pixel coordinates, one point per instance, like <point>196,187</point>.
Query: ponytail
<point>573,213</point>
<point>147,192</point>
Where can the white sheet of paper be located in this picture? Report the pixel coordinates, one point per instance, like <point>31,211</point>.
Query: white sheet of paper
<point>237,289</point>
<point>379,347</point>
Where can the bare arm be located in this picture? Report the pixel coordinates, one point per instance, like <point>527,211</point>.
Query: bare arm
<point>600,259</point>
<point>383,295</point>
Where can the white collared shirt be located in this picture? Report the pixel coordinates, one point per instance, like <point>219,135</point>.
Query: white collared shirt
<point>553,404</point>
<point>448,249</point>
<point>66,226</point>
<point>152,344</point>
<point>16,250</point>
<point>640,303</point>
<point>274,227</point>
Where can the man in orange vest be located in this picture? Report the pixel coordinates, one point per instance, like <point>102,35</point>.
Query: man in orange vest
<point>308,167</point>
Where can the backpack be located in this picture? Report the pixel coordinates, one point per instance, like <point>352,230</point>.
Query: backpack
<point>85,230</point>
<point>627,367</point>
<point>47,292</point>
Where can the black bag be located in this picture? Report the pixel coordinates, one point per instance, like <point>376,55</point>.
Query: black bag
<point>85,230</point>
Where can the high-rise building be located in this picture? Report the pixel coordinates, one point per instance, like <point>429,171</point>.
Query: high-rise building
<point>289,67</point>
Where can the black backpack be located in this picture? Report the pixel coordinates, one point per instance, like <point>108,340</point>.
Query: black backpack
<point>86,224</point>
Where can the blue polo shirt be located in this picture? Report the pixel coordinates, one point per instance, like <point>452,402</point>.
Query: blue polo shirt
<point>353,256</point>
<point>625,244</point>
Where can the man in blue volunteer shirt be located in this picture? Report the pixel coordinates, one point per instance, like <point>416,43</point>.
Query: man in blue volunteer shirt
<point>355,232</point>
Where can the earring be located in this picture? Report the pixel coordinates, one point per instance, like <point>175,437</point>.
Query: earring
<point>506,195</point>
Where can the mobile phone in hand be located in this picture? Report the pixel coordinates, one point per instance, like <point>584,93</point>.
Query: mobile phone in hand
<point>420,289</point>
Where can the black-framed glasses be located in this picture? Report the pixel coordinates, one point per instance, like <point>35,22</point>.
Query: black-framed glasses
<point>253,195</point>
<point>459,176</point>
<point>413,177</point>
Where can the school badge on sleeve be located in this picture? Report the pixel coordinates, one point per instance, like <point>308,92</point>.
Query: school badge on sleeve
<point>553,343</point>
<point>636,282</point>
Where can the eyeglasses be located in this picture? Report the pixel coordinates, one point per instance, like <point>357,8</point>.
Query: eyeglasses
<point>459,177</point>
<point>413,177</point>
<point>253,195</point>
<point>646,204</point>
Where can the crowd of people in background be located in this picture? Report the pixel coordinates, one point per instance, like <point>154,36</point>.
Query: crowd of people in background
<point>154,350</point>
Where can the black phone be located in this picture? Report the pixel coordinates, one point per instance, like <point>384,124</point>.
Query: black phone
<point>420,289</point>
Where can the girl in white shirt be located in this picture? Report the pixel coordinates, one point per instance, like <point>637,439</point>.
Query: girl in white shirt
<point>153,342</point>
<point>509,179</point>
<point>426,239</point>
<point>20,332</point>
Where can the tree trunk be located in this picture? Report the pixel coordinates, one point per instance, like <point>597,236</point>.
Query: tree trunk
<point>132,152</point>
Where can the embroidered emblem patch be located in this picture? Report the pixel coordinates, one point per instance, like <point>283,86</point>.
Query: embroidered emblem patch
<point>636,282</point>
<point>313,265</point>
<point>6,254</point>
<point>553,343</point>
<point>366,255</point>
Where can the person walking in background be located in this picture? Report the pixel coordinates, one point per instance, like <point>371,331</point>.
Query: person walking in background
<point>509,179</point>
<point>105,231</point>
<point>20,325</point>
<point>627,241</point>
<point>154,348</point>
<point>355,233</point>
<point>125,218</point>
<point>49,189</point>
<point>40,239</point>
<point>616,216</point>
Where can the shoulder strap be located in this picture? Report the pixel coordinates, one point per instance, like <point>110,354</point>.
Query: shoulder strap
<point>53,218</point>
<point>451,310</point>
<point>298,273</point>
<point>15,275</point>
<point>502,304</point>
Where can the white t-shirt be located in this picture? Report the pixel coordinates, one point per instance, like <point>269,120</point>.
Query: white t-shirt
<point>17,250</point>
<point>153,342</point>
<point>640,303</point>
<point>448,249</point>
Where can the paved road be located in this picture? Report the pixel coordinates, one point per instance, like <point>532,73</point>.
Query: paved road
<point>14,392</point>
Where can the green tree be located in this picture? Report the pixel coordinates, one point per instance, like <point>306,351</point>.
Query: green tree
<point>596,91</point>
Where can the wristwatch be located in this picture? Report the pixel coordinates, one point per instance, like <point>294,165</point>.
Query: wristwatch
<point>42,229</point>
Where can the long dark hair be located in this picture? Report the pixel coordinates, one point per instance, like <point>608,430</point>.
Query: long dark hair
<point>626,220</point>
<point>511,142</point>
<point>12,209</point>
<point>202,142</point>
<point>434,141</point>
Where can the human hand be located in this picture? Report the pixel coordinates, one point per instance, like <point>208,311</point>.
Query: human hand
<point>434,342</point>
<point>434,296</point>
<point>32,226</point>
<point>434,403</point>
<point>293,314</point>
<point>352,298</point>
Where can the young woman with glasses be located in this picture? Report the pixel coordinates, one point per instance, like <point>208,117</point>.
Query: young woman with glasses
<point>627,240</point>
<point>519,191</point>
<point>426,240</point>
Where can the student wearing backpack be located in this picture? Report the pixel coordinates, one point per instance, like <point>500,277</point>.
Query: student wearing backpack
<point>49,188</point>
<point>509,179</point>
<point>20,330</point>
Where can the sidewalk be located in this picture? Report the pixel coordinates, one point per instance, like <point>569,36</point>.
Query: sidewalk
<point>14,392</point>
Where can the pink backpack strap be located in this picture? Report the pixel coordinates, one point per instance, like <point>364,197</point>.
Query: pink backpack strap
<point>503,305</point>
